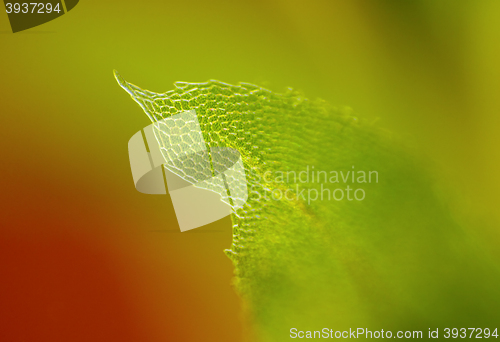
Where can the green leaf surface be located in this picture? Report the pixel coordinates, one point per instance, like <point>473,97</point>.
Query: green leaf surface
<point>396,260</point>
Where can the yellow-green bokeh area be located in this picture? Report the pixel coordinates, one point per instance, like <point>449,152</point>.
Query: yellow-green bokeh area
<point>426,70</point>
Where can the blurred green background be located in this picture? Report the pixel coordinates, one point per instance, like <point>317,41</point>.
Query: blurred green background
<point>84,256</point>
